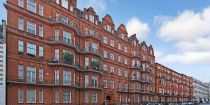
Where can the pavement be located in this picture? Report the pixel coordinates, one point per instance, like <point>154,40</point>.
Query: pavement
<point>205,104</point>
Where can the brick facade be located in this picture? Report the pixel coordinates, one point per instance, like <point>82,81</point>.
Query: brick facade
<point>58,54</point>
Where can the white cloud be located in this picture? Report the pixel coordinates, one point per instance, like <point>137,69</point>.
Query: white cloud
<point>200,58</point>
<point>138,27</point>
<point>98,5</point>
<point>190,32</point>
<point>186,26</point>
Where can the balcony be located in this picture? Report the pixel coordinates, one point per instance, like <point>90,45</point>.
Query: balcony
<point>89,86</point>
<point>135,66</point>
<point>45,82</point>
<point>122,90</point>
<point>92,51</point>
<point>64,41</point>
<point>87,34</point>
<point>63,21</point>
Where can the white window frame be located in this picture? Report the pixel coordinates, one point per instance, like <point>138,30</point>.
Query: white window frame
<point>41,75</point>
<point>20,23</point>
<point>20,46</point>
<point>31,74</point>
<point>31,5</point>
<point>21,3</point>
<point>105,54</point>
<point>65,4</point>
<point>105,40</point>
<point>20,95</point>
<point>41,9</point>
<point>31,97</point>
<point>41,51</point>
<point>41,31</point>
<point>31,27</point>
<point>41,96</point>
<point>20,72</point>
<point>31,49</point>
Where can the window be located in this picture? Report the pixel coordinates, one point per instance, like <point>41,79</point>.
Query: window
<point>119,59</point>
<point>20,46</point>
<point>66,37</point>
<point>41,31</point>
<point>56,77</point>
<point>109,28</point>
<point>105,67</point>
<point>105,54</point>
<point>86,62</point>
<point>21,3</point>
<point>41,9</point>
<point>94,82</point>
<point>57,97</point>
<point>31,74</point>
<point>56,34</point>
<point>31,49</point>
<point>41,75</point>
<point>94,47</point>
<point>126,49</point>
<point>112,70</point>
<point>31,5</point>
<point>20,23</point>
<point>112,84</point>
<point>87,97</point>
<point>94,97</point>
<point>122,36</point>
<point>65,4</point>
<point>57,16</point>
<point>119,46</point>
<point>120,98</point>
<point>66,97</point>
<point>56,54</point>
<point>126,73</point>
<point>91,18</point>
<point>20,72</point>
<point>105,83</point>
<point>112,43</point>
<point>133,87</point>
<point>126,61</point>
<point>58,1</point>
<point>119,72</point>
<point>20,95</point>
<point>31,27</point>
<point>66,77</point>
<point>112,56</point>
<point>105,40</point>
<point>41,51</point>
<point>71,8</point>
<point>31,96</point>
<point>41,96</point>
<point>86,80</point>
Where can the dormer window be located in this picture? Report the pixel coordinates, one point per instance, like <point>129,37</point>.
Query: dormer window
<point>134,42</point>
<point>71,8</point>
<point>122,36</point>
<point>108,28</point>
<point>91,18</point>
<point>151,52</point>
<point>86,17</point>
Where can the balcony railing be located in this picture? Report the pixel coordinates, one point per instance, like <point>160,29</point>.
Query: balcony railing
<point>122,89</point>
<point>63,21</point>
<point>15,79</point>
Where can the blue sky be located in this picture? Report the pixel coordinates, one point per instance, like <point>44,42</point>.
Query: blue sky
<point>178,29</point>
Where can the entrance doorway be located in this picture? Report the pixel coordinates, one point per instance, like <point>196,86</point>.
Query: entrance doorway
<point>108,98</point>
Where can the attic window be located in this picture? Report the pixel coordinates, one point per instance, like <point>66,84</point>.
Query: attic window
<point>151,52</point>
<point>122,36</point>
<point>91,18</point>
<point>109,28</point>
<point>71,8</point>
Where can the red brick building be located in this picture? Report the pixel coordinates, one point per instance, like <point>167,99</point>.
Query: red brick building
<point>172,86</point>
<point>58,54</point>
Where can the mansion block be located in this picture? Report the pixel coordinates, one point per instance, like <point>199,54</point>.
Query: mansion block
<point>60,55</point>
